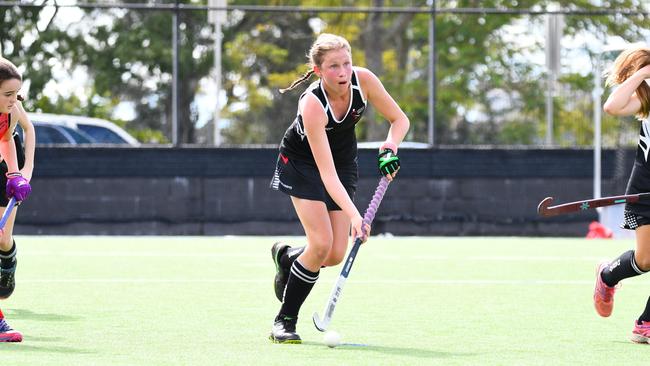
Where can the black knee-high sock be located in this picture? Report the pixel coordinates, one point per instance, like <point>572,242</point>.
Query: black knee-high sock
<point>300,283</point>
<point>8,258</point>
<point>622,267</point>
<point>645,317</point>
<point>289,256</point>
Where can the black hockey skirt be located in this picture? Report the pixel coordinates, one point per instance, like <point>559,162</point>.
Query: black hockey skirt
<point>637,214</point>
<point>302,180</point>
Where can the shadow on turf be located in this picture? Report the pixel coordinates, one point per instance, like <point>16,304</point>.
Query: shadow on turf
<point>413,352</point>
<point>30,348</point>
<point>30,315</point>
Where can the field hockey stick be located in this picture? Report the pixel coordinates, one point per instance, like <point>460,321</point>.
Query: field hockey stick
<point>7,213</point>
<point>322,324</point>
<point>545,209</point>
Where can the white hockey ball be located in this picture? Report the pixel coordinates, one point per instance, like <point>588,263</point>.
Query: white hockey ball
<point>332,338</point>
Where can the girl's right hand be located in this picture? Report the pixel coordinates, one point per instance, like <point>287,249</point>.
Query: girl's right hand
<point>360,229</point>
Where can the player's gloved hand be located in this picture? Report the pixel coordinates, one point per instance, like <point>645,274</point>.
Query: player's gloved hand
<point>387,160</point>
<point>17,186</point>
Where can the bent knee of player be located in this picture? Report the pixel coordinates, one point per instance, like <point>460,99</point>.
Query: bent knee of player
<point>642,260</point>
<point>335,256</point>
<point>6,241</point>
<point>320,247</point>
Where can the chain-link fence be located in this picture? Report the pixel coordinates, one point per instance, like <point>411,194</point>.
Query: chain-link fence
<point>208,72</point>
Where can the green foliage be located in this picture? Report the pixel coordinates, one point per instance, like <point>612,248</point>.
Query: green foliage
<point>487,90</point>
<point>150,136</point>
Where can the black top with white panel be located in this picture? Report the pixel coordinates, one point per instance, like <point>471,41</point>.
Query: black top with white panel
<point>340,133</point>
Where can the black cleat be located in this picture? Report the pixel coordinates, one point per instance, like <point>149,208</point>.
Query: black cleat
<point>284,330</point>
<point>281,274</point>
<point>7,280</point>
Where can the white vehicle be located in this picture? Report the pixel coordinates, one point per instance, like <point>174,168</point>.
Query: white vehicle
<point>99,130</point>
<point>52,133</point>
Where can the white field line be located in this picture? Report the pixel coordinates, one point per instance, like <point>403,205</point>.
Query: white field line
<point>500,258</point>
<point>163,254</point>
<point>452,282</point>
<point>166,254</point>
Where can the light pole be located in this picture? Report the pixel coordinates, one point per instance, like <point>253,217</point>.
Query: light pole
<point>175,75</point>
<point>608,216</point>
<point>432,76</point>
<point>554,31</point>
<point>217,18</point>
<point>596,94</point>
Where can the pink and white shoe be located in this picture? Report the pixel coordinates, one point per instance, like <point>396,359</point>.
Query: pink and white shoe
<point>603,294</point>
<point>7,334</point>
<point>641,332</point>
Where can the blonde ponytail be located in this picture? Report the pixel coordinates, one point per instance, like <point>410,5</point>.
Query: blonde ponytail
<point>297,82</point>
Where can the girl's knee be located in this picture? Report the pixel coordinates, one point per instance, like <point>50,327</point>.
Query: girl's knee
<point>642,260</point>
<point>320,248</point>
<point>336,255</point>
<point>6,242</point>
<point>335,258</point>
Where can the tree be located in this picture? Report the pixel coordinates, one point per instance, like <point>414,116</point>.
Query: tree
<point>263,52</point>
<point>145,77</point>
<point>487,93</point>
<point>20,43</point>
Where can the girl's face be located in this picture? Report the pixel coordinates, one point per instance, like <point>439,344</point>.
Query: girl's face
<point>9,94</point>
<point>336,70</point>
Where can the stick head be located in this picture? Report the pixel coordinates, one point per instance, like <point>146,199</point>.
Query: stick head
<point>321,326</point>
<point>542,208</point>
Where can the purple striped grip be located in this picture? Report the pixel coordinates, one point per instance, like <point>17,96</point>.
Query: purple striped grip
<point>369,216</point>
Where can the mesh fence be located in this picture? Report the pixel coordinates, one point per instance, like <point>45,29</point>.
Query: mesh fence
<point>517,73</point>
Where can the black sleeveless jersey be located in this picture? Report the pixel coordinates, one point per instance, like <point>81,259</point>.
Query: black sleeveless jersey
<point>340,133</point>
<point>640,178</point>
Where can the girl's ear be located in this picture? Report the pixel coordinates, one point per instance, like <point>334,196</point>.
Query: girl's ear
<point>316,70</point>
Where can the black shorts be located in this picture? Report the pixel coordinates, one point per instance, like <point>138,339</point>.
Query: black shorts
<point>302,180</point>
<point>20,153</point>
<point>632,220</point>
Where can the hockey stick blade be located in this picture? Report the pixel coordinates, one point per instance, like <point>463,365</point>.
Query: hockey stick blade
<point>545,209</point>
<point>542,208</point>
<point>317,322</point>
<point>323,324</point>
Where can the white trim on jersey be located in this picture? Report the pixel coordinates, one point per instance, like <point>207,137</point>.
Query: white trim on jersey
<point>349,105</point>
<point>308,92</point>
<point>645,139</point>
<point>325,108</point>
<point>358,87</point>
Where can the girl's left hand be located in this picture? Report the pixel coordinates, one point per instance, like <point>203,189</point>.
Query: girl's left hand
<point>388,163</point>
<point>27,175</point>
<point>360,229</point>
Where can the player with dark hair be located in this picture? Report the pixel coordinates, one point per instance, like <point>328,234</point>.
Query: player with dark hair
<point>17,167</point>
<point>317,167</point>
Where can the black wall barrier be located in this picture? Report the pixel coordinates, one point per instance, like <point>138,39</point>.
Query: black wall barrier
<point>219,191</point>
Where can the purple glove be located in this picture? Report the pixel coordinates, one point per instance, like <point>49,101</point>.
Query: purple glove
<point>17,186</point>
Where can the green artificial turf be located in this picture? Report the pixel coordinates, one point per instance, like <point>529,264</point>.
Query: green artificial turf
<point>408,301</point>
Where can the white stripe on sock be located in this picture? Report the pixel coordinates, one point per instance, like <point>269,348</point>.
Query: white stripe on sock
<point>635,267</point>
<point>297,271</point>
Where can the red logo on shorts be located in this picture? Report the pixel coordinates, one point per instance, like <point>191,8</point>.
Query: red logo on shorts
<point>284,159</point>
